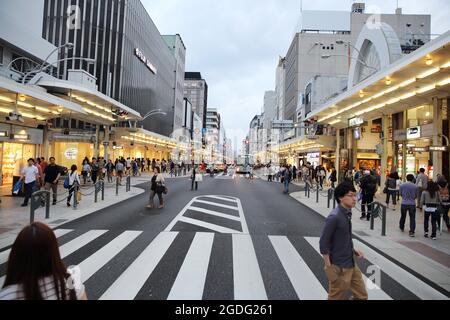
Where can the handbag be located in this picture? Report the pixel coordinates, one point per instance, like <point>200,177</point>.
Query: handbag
<point>67,182</point>
<point>165,191</point>
<point>385,190</point>
<point>78,196</point>
<point>198,178</point>
<point>17,187</point>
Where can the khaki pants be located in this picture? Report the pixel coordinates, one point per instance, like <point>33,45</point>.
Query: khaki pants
<point>341,280</point>
<point>54,188</point>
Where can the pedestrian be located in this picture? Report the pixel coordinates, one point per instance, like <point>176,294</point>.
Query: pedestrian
<point>422,184</point>
<point>445,201</point>
<point>85,170</point>
<point>51,177</point>
<point>287,176</point>
<point>73,177</point>
<point>157,188</point>
<point>30,176</point>
<point>269,174</point>
<point>333,178</point>
<point>95,167</point>
<point>43,164</point>
<point>431,199</point>
<point>172,168</point>
<point>109,170</point>
<point>120,167</point>
<point>368,186</point>
<point>153,164</point>
<point>409,192</point>
<point>40,181</point>
<point>336,246</point>
<point>194,178</point>
<point>321,174</point>
<point>294,173</point>
<point>390,189</point>
<point>35,270</point>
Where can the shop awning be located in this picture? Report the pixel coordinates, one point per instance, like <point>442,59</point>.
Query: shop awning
<point>144,137</point>
<point>33,102</point>
<point>307,144</point>
<point>99,107</point>
<point>410,81</point>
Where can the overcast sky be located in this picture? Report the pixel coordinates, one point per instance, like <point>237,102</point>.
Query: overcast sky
<point>235,44</point>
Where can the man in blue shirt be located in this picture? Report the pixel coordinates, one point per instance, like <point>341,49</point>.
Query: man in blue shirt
<point>336,246</point>
<point>409,192</point>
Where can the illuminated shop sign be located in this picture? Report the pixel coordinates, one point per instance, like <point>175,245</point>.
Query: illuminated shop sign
<point>354,122</point>
<point>3,133</point>
<point>21,136</point>
<point>413,133</point>
<point>145,61</point>
<point>438,148</point>
<point>71,153</point>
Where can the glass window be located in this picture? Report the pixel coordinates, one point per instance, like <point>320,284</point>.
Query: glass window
<point>420,115</point>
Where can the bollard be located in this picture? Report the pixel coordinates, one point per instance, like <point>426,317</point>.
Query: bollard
<point>334,200</point>
<point>383,222</point>
<point>128,186</point>
<point>306,189</point>
<point>103,190</point>
<point>372,220</point>
<point>117,185</point>
<point>36,202</point>
<point>329,198</point>
<point>309,191</point>
<point>75,194</point>
<point>317,195</point>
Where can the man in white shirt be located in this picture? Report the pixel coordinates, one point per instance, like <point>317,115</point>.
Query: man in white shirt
<point>30,175</point>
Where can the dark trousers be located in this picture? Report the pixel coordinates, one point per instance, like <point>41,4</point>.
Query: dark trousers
<point>94,176</point>
<point>71,191</point>
<point>411,209</point>
<point>434,222</point>
<point>445,216</point>
<point>269,178</point>
<point>28,191</point>
<point>321,182</point>
<point>393,194</point>
<point>367,199</point>
<point>194,183</point>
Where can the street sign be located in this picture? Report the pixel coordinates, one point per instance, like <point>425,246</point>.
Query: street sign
<point>438,148</point>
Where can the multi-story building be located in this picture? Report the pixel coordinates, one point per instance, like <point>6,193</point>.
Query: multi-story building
<point>196,90</point>
<point>178,49</point>
<point>213,130</point>
<point>131,62</point>
<point>254,138</point>
<point>280,79</point>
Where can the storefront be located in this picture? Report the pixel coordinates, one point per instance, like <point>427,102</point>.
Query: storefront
<point>68,153</point>
<point>17,145</point>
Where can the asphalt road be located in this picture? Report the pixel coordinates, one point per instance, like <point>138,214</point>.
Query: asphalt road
<point>232,239</point>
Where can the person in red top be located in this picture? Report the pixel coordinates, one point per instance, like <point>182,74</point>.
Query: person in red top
<point>43,164</point>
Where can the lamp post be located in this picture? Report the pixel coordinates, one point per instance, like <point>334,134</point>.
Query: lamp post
<point>343,55</point>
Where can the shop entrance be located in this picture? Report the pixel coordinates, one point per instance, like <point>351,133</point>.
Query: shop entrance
<point>13,157</point>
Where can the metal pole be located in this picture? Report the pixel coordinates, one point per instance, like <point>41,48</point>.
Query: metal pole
<point>47,205</point>
<point>383,223</point>
<point>306,189</point>
<point>309,191</point>
<point>103,190</point>
<point>372,220</point>
<point>329,198</point>
<point>75,195</point>
<point>334,200</point>
<point>117,185</point>
<point>317,195</point>
<point>95,191</point>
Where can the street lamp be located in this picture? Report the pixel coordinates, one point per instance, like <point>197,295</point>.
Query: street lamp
<point>154,112</point>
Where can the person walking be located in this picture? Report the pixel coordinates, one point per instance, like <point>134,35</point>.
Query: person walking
<point>73,177</point>
<point>368,185</point>
<point>287,176</point>
<point>85,170</point>
<point>172,168</point>
<point>30,176</point>
<point>408,192</point>
<point>333,178</point>
<point>51,177</point>
<point>35,270</point>
<point>422,184</point>
<point>109,171</point>
<point>431,199</point>
<point>445,201</point>
<point>294,173</point>
<point>321,173</point>
<point>390,188</point>
<point>336,246</point>
<point>94,170</point>
<point>120,168</point>
<point>157,188</point>
<point>194,178</point>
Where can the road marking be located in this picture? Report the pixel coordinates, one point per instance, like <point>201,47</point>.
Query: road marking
<point>190,281</point>
<point>58,233</point>
<point>5,254</point>
<point>374,292</point>
<point>190,206</point>
<point>305,283</point>
<point>248,282</point>
<point>216,204</point>
<point>100,258</point>
<point>215,213</point>
<point>79,242</point>
<point>127,286</point>
<point>410,282</point>
<point>208,225</point>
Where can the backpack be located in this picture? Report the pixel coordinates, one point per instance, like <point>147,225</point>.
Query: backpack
<point>67,182</point>
<point>371,186</point>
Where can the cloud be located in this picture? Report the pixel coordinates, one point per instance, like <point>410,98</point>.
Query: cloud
<point>236,44</point>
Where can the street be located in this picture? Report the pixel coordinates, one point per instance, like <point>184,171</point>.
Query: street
<point>233,239</point>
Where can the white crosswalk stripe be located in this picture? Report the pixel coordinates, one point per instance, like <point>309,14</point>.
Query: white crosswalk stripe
<point>192,277</point>
<point>374,292</point>
<point>302,278</point>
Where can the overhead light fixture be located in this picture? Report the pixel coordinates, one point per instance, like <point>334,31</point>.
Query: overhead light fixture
<point>334,122</point>
<point>6,99</point>
<point>22,97</point>
<point>446,65</point>
<point>428,73</point>
<point>388,81</point>
<point>444,82</point>
<point>408,95</point>
<point>426,89</point>
<point>429,60</point>
<point>3,133</point>
<point>407,82</point>
<point>427,114</point>
<point>361,94</point>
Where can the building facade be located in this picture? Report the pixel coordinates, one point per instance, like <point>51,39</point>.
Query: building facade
<point>196,90</point>
<point>132,62</point>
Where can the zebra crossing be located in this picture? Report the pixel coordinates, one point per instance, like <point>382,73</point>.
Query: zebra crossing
<point>191,278</point>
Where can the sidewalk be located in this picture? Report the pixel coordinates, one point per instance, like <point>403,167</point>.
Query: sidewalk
<point>429,258</point>
<point>13,217</point>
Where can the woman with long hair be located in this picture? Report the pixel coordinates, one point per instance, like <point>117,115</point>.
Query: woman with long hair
<point>157,187</point>
<point>73,176</point>
<point>35,270</point>
<point>430,201</point>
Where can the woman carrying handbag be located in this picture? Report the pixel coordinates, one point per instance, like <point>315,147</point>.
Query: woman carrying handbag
<point>158,187</point>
